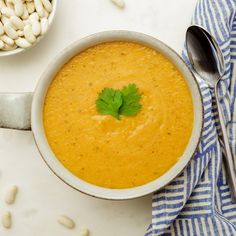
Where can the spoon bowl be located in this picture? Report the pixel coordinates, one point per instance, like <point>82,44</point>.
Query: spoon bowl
<point>205,55</point>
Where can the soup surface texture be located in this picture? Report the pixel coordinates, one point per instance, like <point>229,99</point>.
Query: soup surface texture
<point>106,151</point>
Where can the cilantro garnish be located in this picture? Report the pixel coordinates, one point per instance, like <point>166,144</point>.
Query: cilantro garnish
<point>117,102</point>
<point>131,98</point>
<point>109,102</point>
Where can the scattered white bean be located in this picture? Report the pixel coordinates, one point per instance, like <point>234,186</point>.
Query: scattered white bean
<point>39,7</point>
<point>6,220</point>
<point>1,28</point>
<point>66,222</point>
<point>1,44</point>
<point>119,3</point>
<point>30,7</point>
<point>10,31</point>
<point>84,232</point>
<point>22,43</point>
<point>19,7</point>
<point>7,40</point>
<point>12,192</point>
<point>8,12</point>
<point>17,22</point>
<point>44,25</point>
<point>47,5</point>
<point>36,27</point>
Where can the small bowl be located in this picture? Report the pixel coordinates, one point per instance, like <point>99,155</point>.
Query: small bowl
<point>19,50</point>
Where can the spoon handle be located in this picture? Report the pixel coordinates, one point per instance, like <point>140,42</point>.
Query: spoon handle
<point>229,160</point>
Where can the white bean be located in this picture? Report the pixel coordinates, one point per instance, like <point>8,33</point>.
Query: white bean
<point>10,31</point>
<point>20,33</point>
<point>84,232</point>
<point>8,12</point>
<point>12,192</point>
<point>4,19</point>
<point>66,221</point>
<point>119,3</point>
<point>6,220</point>
<point>36,27</point>
<point>19,7</point>
<point>25,15</point>
<point>10,5</point>
<point>45,13</point>
<point>23,43</point>
<point>47,5</point>
<point>44,25</point>
<point>34,16</point>
<point>8,47</point>
<point>17,22</point>
<point>1,28</point>
<point>2,4</point>
<point>30,7</point>
<point>1,44</point>
<point>7,40</point>
<point>39,7</point>
<point>26,22</point>
<point>29,36</point>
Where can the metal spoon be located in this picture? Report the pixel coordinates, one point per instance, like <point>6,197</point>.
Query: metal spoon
<point>208,63</point>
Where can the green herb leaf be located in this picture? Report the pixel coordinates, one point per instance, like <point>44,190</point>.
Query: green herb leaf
<point>119,102</point>
<point>109,102</point>
<point>131,100</point>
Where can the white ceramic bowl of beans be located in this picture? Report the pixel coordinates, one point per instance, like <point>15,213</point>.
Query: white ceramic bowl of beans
<point>12,51</point>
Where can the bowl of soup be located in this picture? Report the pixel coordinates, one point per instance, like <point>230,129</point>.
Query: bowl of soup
<point>146,129</point>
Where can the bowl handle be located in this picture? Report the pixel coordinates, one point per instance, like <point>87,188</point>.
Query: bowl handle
<point>15,110</point>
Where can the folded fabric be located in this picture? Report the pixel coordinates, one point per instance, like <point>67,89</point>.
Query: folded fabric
<point>198,202</point>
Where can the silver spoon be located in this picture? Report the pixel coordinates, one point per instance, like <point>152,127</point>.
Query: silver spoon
<point>208,63</point>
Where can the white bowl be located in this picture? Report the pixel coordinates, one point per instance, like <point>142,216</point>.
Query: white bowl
<point>50,21</point>
<point>54,163</point>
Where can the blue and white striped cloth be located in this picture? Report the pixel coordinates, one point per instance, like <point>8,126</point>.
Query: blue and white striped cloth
<point>198,202</point>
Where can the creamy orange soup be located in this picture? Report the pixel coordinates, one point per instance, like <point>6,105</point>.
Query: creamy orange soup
<point>121,153</point>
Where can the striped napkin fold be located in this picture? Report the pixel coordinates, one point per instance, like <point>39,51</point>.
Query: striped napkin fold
<point>198,202</point>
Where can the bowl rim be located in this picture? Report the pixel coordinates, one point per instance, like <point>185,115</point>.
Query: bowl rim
<point>75,182</point>
<point>20,50</point>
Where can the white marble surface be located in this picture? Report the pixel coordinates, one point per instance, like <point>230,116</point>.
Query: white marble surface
<point>43,196</point>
